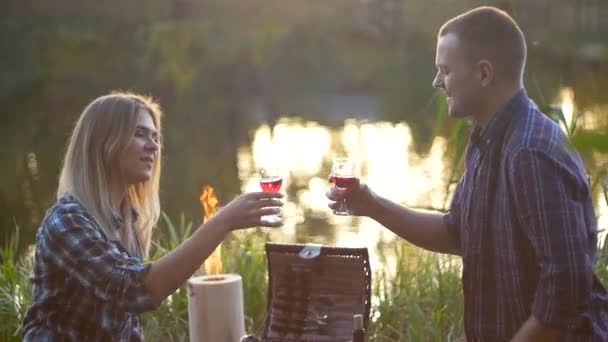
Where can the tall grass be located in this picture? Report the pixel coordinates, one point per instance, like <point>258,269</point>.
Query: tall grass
<point>419,300</point>
<point>242,253</point>
<point>170,321</point>
<point>421,297</point>
<point>15,289</point>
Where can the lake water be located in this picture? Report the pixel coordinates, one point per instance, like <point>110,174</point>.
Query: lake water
<point>389,159</point>
<point>386,161</point>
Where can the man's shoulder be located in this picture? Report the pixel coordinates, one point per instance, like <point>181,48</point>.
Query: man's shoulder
<point>538,137</point>
<point>535,131</point>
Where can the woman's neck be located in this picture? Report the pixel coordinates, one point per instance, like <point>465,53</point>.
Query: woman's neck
<point>118,194</point>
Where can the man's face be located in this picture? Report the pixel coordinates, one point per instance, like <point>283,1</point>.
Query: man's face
<point>456,76</point>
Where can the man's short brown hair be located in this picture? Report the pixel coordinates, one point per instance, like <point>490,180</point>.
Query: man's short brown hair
<point>490,33</point>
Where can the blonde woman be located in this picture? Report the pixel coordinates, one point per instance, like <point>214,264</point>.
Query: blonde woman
<point>89,280</point>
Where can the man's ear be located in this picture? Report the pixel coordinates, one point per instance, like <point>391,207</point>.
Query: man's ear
<point>485,72</point>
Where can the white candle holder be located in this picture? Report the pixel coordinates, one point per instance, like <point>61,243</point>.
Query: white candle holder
<point>215,308</point>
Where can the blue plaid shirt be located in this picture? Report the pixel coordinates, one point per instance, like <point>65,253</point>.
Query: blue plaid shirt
<point>523,219</point>
<point>86,288</point>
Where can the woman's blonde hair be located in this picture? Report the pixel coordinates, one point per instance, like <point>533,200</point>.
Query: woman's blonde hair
<point>103,130</point>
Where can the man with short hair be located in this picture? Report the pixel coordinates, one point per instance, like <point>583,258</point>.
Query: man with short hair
<point>521,217</point>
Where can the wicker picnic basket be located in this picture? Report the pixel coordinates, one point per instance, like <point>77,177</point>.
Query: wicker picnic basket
<point>314,291</point>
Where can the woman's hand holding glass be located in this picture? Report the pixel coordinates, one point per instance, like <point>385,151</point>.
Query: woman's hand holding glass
<point>271,181</point>
<point>248,210</point>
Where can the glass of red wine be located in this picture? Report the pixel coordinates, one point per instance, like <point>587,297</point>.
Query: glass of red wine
<point>343,177</point>
<point>270,180</point>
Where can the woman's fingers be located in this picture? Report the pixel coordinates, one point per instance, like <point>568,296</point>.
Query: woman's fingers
<point>272,224</point>
<point>266,211</point>
<point>270,203</point>
<point>266,195</point>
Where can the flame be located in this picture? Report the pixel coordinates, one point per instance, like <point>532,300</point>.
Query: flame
<point>213,264</point>
<point>209,201</point>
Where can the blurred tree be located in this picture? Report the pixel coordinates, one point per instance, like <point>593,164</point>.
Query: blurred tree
<point>206,61</point>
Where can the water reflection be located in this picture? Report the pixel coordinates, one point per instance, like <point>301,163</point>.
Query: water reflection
<point>386,161</point>
<point>303,151</point>
<point>594,118</point>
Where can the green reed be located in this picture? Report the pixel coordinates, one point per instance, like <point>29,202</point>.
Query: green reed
<point>417,299</point>
<point>15,288</point>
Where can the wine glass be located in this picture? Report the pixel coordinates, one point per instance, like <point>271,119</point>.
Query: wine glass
<point>343,177</point>
<point>270,180</point>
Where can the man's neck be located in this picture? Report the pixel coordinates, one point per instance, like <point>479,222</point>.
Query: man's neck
<point>495,103</point>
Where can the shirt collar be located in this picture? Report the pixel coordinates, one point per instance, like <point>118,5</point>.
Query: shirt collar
<point>483,137</point>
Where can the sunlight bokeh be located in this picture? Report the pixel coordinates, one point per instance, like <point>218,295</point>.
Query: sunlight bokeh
<point>386,161</point>
<point>567,100</point>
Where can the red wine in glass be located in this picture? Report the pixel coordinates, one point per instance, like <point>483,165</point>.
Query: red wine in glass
<point>343,177</point>
<point>270,180</point>
<point>344,182</point>
<point>272,184</point>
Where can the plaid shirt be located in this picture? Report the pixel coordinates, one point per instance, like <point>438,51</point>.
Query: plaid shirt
<point>86,288</point>
<point>523,219</point>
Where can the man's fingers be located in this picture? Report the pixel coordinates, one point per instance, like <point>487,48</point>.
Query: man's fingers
<point>334,194</point>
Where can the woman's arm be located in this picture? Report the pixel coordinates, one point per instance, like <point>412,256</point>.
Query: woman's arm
<point>170,271</point>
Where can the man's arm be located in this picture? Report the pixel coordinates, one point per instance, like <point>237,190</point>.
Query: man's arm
<point>533,330</point>
<point>422,228</point>
<point>551,200</point>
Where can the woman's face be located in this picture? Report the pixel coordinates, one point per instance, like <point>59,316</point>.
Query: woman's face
<point>138,158</point>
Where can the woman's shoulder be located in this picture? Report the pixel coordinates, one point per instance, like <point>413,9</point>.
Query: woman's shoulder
<point>66,205</point>
<point>67,213</point>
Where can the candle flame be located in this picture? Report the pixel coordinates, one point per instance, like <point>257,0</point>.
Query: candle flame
<point>213,264</point>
